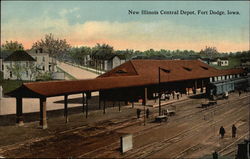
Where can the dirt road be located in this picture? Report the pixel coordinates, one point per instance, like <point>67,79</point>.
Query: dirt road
<point>76,72</point>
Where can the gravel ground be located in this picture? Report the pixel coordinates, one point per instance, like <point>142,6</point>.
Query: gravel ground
<point>192,132</point>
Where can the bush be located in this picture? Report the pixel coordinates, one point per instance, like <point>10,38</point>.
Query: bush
<point>44,76</point>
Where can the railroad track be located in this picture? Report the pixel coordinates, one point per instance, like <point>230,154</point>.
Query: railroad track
<point>231,147</point>
<point>116,126</point>
<point>158,146</point>
<point>222,152</point>
<point>115,144</point>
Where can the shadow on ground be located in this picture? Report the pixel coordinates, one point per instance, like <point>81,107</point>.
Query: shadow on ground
<point>7,120</point>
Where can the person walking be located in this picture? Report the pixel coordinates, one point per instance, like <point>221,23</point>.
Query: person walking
<point>178,96</point>
<point>222,132</point>
<point>138,112</point>
<point>215,155</point>
<point>147,113</point>
<point>173,93</point>
<point>234,129</point>
<point>239,93</point>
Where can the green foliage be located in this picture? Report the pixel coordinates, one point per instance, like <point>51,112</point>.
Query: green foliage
<point>33,70</point>
<point>16,70</point>
<point>12,46</point>
<point>44,76</point>
<point>165,54</point>
<point>125,54</point>
<point>79,54</point>
<point>9,85</point>
<point>102,51</point>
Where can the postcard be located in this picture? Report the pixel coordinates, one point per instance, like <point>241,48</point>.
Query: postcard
<point>124,79</point>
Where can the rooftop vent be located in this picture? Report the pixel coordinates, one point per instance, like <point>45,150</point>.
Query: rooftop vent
<point>165,70</point>
<point>188,69</point>
<point>120,71</point>
<point>205,68</point>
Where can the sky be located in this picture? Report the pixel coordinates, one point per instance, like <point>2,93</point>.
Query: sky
<point>86,23</point>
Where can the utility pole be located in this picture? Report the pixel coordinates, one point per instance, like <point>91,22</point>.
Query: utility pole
<point>159,89</point>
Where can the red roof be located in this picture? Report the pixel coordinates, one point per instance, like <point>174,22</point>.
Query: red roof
<point>129,74</point>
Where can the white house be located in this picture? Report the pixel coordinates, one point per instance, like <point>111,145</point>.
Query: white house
<point>25,66</point>
<point>213,62</point>
<point>43,61</point>
<point>108,62</point>
<point>223,62</point>
<point>19,65</point>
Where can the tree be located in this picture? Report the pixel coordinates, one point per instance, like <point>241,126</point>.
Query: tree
<point>46,76</point>
<point>55,47</point>
<point>210,52</point>
<point>12,46</point>
<point>79,54</point>
<point>17,70</point>
<point>33,70</point>
<point>100,51</point>
<point>125,53</point>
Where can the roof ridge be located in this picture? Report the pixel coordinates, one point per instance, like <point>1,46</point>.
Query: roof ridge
<point>133,66</point>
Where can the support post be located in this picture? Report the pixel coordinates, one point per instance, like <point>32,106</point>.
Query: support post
<point>145,96</point>
<point>119,106</point>
<point>66,108</point>
<point>202,86</point>
<point>144,104</point>
<point>87,107</point>
<point>104,106</point>
<point>159,96</point>
<point>19,111</point>
<point>43,115</point>
<point>99,101</point>
<point>83,103</point>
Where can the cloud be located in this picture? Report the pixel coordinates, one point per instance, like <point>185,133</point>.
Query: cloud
<point>126,35</point>
<point>64,12</point>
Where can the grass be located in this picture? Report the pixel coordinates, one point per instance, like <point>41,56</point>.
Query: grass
<point>233,62</point>
<point>9,85</point>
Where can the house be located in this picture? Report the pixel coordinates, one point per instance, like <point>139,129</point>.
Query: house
<point>43,61</point>
<point>86,60</point>
<point>3,55</point>
<point>24,65</point>
<point>245,62</point>
<point>19,65</point>
<point>223,61</point>
<point>108,61</point>
<point>205,60</point>
<point>213,62</point>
